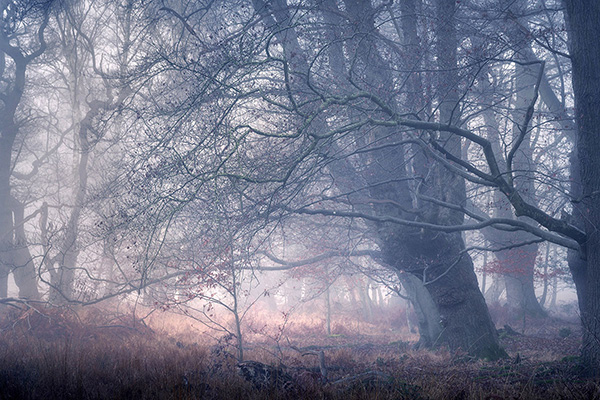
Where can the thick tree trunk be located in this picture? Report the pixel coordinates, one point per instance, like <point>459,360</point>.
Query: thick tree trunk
<point>449,275</point>
<point>437,259</point>
<point>452,283</point>
<point>24,273</point>
<point>463,312</point>
<point>584,31</point>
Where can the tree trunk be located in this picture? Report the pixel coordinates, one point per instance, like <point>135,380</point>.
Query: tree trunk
<point>328,310</point>
<point>545,288</point>
<point>520,290</point>
<point>518,277</point>
<point>493,293</point>
<point>8,132</point>
<point>584,30</point>
<point>437,259</point>
<point>14,79</point>
<point>516,265</point>
<point>5,216</point>
<point>554,293</point>
<point>449,275</point>
<point>427,312</point>
<point>484,272</point>
<point>14,251</point>
<point>365,300</point>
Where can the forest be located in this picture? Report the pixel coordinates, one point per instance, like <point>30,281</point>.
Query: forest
<point>312,199</point>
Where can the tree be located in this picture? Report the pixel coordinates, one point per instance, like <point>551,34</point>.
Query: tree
<point>91,91</point>
<point>338,144</point>
<point>465,322</point>
<point>516,264</point>
<point>22,41</point>
<point>582,21</point>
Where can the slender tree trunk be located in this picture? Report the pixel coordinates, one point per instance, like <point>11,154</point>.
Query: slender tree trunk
<point>6,226</point>
<point>409,323</point>
<point>238,335</point>
<point>428,316</point>
<point>492,295</point>
<point>351,286</point>
<point>554,292</point>
<point>5,229</point>
<point>14,251</point>
<point>24,270</point>
<point>365,300</point>
<point>8,134</point>
<point>545,289</point>
<point>484,272</point>
<point>328,310</point>
<point>517,265</point>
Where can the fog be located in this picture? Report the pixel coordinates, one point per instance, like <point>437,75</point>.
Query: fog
<point>244,175</point>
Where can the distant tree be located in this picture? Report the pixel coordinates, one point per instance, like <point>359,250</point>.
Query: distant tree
<point>92,92</point>
<point>23,26</point>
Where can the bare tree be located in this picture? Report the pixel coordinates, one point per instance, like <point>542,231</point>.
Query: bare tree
<point>22,41</point>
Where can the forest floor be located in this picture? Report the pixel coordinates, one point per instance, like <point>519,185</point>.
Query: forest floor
<point>60,354</point>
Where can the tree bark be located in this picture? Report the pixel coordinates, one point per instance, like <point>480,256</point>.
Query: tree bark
<point>463,313</point>
<point>546,282</point>
<point>582,17</point>
<point>328,310</point>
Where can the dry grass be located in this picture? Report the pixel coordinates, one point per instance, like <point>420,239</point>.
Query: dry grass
<point>60,354</point>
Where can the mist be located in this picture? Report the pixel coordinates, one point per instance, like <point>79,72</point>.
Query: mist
<point>298,199</point>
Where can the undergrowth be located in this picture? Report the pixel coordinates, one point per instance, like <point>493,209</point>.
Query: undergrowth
<point>60,354</point>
